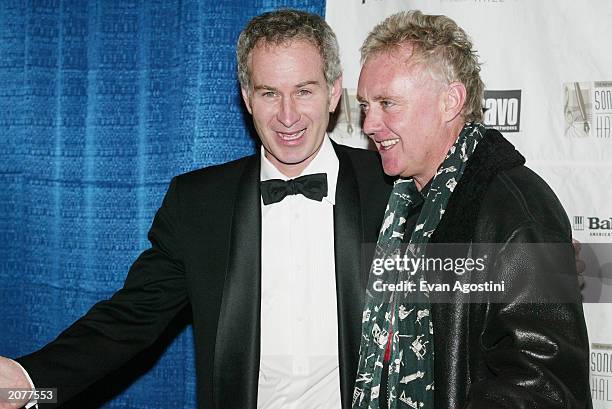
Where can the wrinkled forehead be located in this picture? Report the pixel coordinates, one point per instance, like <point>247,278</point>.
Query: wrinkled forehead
<point>280,46</point>
<point>407,53</point>
<point>411,59</point>
<point>273,56</point>
<point>404,59</point>
<point>393,76</point>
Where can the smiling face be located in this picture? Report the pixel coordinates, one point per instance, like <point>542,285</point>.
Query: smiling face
<point>405,114</point>
<point>290,102</point>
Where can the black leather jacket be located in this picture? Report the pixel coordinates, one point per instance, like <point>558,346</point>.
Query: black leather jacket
<point>517,353</point>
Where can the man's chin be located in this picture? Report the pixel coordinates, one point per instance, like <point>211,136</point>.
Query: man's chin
<point>291,165</point>
<point>391,169</point>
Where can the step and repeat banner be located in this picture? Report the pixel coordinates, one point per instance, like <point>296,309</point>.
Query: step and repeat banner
<point>547,67</point>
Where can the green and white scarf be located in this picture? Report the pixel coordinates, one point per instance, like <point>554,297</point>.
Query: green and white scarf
<point>406,315</point>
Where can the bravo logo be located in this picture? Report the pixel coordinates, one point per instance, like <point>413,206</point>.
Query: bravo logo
<point>503,110</point>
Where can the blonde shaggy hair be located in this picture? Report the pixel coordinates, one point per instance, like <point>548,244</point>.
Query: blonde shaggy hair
<point>440,44</point>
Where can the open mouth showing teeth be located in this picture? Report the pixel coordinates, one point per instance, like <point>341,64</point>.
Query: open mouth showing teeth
<point>387,144</point>
<point>291,136</point>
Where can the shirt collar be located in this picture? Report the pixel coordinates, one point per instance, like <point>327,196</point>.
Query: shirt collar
<point>325,161</point>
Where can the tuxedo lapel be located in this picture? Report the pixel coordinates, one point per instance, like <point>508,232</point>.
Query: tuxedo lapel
<point>236,366</point>
<point>237,350</point>
<point>347,246</point>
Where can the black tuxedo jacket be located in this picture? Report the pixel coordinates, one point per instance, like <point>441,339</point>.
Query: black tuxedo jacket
<point>206,251</point>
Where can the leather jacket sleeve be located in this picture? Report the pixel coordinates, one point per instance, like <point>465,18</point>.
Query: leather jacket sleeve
<point>533,341</point>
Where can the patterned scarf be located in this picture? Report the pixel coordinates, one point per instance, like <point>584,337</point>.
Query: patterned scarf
<point>406,314</point>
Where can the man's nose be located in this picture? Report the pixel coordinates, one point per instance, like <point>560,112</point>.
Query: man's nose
<point>371,122</point>
<point>288,113</point>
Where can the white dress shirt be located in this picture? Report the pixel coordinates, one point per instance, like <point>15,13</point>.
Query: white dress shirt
<point>299,323</point>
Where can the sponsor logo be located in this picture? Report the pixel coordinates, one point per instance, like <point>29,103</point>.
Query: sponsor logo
<point>587,109</point>
<point>600,364</point>
<point>602,109</point>
<point>503,110</point>
<point>578,222</point>
<point>596,226</point>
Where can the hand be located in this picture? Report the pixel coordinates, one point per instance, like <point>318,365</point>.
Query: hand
<point>580,264</point>
<point>12,376</point>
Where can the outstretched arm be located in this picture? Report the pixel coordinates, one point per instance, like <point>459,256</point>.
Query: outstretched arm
<point>115,330</point>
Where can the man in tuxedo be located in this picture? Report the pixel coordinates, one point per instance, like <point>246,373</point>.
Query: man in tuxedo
<point>266,249</point>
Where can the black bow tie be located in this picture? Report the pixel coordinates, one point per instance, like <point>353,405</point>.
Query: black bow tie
<point>312,186</point>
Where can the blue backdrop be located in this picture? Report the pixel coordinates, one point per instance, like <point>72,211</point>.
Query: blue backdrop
<point>101,103</point>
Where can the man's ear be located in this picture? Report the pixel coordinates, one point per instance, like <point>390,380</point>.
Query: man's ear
<point>335,94</point>
<point>454,100</point>
<point>247,99</point>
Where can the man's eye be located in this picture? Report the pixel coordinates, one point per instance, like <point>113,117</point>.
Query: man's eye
<point>363,107</point>
<point>268,94</point>
<point>386,104</point>
<point>304,92</point>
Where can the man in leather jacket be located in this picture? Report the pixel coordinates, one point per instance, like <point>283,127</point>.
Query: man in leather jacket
<point>421,93</point>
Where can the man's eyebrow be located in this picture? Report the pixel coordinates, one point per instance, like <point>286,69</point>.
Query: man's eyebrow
<point>374,99</point>
<point>271,88</point>
<point>305,83</point>
<point>264,87</point>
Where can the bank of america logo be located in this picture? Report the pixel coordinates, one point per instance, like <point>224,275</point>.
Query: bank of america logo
<point>578,222</point>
